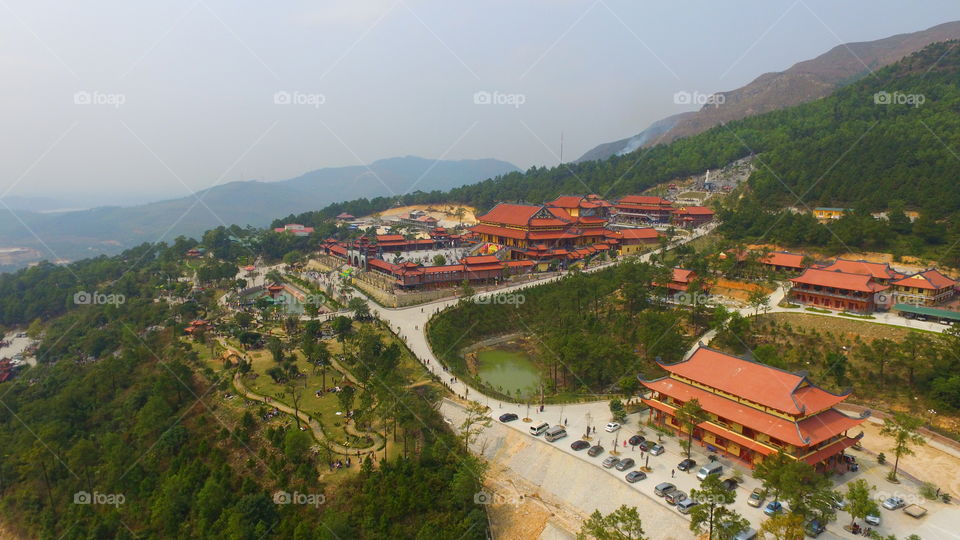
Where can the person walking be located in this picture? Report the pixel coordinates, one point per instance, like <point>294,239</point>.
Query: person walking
<point>673,473</point>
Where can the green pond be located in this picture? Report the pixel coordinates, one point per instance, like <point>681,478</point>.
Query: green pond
<point>508,371</point>
<point>287,302</point>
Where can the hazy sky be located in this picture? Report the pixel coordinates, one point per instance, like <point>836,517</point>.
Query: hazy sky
<point>130,99</point>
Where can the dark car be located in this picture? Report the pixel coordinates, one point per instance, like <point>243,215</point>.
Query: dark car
<point>635,476</point>
<point>625,464</point>
<point>636,440</point>
<point>645,445</point>
<point>579,445</point>
<point>686,464</point>
<point>595,450</point>
<point>813,528</point>
<point>729,484</point>
<point>508,417</point>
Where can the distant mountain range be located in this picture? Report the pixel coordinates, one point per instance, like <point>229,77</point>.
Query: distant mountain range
<point>803,82</point>
<point>86,233</point>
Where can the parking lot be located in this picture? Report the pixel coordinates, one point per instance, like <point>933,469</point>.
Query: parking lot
<point>940,523</point>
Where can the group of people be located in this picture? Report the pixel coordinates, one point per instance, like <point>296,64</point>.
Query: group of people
<point>339,464</point>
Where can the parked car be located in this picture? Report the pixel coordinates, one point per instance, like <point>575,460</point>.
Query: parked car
<point>611,427</point>
<point>645,445</point>
<point>813,528</point>
<point>729,484</point>
<point>675,496</point>
<point>595,450</point>
<point>626,464</point>
<point>773,508</point>
<point>838,502</point>
<point>756,498</point>
<point>893,503</point>
<point>686,464</point>
<point>635,476</point>
<point>662,489</point>
<point>636,440</point>
<point>686,505</point>
<point>873,519</point>
<point>610,462</point>
<point>656,449</point>
<point>508,417</point>
<point>579,445</point>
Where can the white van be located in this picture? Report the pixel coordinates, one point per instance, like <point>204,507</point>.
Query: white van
<point>537,430</point>
<point>710,469</point>
<point>554,433</point>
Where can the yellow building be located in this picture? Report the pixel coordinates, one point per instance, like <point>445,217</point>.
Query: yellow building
<point>824,213</point>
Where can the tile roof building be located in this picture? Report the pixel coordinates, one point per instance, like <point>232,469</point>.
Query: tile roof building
<point>753,410</point>
<point>835,290</point>
<point>927,288</point>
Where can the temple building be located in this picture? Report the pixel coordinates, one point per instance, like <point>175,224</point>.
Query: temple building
<point>522,226</point>
<point>858,293</point>
<point>753,410</point>
<point>783,261</point>
<point>643,210</point>
<point>927,288</point>
<point>880,273</point>
<point>691,217</point>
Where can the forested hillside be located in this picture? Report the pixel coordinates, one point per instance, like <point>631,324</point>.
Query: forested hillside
<point>120,432</point>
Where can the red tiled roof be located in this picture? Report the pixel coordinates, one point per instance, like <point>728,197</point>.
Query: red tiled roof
<point>829,450</point>
<point>644,200</point>
<point>566,201</point>
<point>782,258</point>
<point>480,259</point>
<point>876,270</point>
<point>383,265</point>
<point>498,231</point>
<point>765,385</point>
<point>839,280</point>
<point>444,268</point>
<point>518,263</point>
<point>809,431</point>
<point>645,233</point>
<point>521,214</point>
<point>928,279</point>
<point>681,275</point>
<point>694,211</point>
<point>381,238</point>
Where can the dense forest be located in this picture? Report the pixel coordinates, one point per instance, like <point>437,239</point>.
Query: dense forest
<point>118,433</point>
<point>593,331</point>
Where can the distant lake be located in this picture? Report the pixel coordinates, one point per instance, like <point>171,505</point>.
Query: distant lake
<point>508,371</point>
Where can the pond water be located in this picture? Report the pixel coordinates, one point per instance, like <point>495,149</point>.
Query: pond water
<point>287,302</point>
<point>508,371</point>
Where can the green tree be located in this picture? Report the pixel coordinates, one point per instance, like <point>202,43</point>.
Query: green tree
<point>712,514</point>
<point>787,526</point>
<point>690,414</point>
<point>860,503</point>
<point>621,524</point>
<point>902,428</point>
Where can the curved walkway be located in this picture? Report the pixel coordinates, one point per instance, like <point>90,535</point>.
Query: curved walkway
<point>312,422</point>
